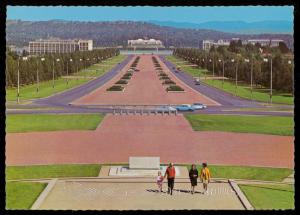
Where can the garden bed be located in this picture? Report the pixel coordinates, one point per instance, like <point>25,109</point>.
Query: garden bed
<point>174,88</point>
<point>116,88</point>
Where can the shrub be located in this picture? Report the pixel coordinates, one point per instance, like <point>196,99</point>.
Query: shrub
<point>122,81</point>
<point>126,77</point>
<point>169,82</point>
<point>164,78</point>
<point>174,88</point>
<point>162,74</point>
<point>115,88</point>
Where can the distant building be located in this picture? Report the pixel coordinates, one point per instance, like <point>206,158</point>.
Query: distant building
<point>18,50</point>
<point>207,44</point>
<point>144,43</point>
<point>55,45</point>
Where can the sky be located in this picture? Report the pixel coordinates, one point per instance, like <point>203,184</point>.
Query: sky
<point>175,14</point>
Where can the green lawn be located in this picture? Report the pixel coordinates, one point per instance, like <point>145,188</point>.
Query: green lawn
<point>250,173</point>
<point>51,122</point>
<point>195,72</point>
<point>270,196</point>
<point>277,125</point>
<point>46,89</point>
<point>22,195</point>
<point>52,171</point>
<point>100,69</point>
<point>243,90</point>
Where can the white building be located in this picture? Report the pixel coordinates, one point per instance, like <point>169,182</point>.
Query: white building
<point>207,44</point>
<point>55,45</point>
<point>141,43</point>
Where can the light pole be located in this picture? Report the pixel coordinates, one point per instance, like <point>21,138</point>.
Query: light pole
<point>291,63</point>
<point>251,76</point>
<point>271,82</point>
<point>223,76</point>
<point>37,74</point>
<point>18,91</point>
<point>57,60</point>
<point>236,68</point>
<point>68,70</point>
<point>203,60</point>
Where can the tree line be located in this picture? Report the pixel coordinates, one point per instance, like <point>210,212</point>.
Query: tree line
<point>44,64</point>
<point>241,58</point>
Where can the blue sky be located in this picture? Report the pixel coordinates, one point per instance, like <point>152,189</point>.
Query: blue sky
<point>176,14</point>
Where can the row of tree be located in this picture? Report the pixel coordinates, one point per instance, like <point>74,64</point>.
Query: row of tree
<point>240,62</point>
<point>61,64</point>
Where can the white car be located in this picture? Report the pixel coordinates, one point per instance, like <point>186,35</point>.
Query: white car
<point>198,106</point>
<point>165,109</point>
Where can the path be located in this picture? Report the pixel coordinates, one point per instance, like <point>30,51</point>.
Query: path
<point>119,137</point>
<point>144,88</point>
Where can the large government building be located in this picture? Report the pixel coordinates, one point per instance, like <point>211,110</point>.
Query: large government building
<point>144,43</point>
<point>55,45</point>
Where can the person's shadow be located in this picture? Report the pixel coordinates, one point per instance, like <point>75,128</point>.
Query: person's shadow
<point>154,191</point>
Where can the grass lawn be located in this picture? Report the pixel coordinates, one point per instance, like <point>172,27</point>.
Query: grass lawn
<point>52,171</point>
<point>100,69</point>
<point>193,71</point>
<point>22,195</point>
<point>250,173</point>
<point>46,89</point>
<point>243,91</point>
<point>270,196</point>
<point>277,125</point>
<point>51,122</point>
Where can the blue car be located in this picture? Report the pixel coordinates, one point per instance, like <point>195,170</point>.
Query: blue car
<point>184,107</point>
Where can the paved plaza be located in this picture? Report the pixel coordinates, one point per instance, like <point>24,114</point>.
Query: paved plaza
<point>137,195</point>
<point>169,137</point>
<point>144,88</point>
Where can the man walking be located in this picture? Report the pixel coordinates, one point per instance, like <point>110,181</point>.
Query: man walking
<point>205,176</point>
<point>170,174</point>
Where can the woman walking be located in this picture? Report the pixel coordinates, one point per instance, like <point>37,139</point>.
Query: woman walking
<point>205,176</point>
<point>193,177</point>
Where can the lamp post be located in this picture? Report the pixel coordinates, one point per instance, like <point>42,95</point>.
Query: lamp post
<point>18,89</point>
<point>203,60</point>
<point>53,75</point>
<point>251,76</point>
<point>236,68</point>
<point>37,74</point>
<point>271,82</point>
<point>292,63</point>
<point>223,76</point>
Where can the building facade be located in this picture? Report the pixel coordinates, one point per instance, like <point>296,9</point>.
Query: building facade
<point>59,46</point>
<point>142,43</point>
<point>207,44</point>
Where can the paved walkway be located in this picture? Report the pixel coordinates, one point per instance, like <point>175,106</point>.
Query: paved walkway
<point>169,137</point>
<point>97,195</point>
<point>144,88</point>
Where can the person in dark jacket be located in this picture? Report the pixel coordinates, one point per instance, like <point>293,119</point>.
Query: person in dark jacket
<point>193,173</point>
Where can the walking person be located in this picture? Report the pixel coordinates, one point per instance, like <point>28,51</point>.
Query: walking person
<point>170,174</point>
<point>193,173</point>
<point>159,181</point>
<point>205,176</point>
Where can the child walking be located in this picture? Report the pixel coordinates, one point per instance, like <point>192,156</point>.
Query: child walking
<point>159,181</point>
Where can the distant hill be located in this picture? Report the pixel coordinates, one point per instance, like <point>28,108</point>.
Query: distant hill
<point>117,33</point>
<point>281,27</point>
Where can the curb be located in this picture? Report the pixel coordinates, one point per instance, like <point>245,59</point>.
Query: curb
<point>43,195</point>
<point>240,195</point>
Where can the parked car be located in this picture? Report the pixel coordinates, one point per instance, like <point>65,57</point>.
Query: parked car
<point>184,107</point>
<point>198,106</point>
<point>197,81</point>
<point>165,109</point>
